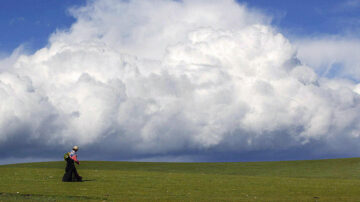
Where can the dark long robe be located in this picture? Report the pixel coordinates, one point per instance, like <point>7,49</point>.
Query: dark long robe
<point>71,174</point>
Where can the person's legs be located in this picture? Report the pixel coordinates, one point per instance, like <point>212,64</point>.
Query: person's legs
<point>77,176</point>
<point>68,170</point>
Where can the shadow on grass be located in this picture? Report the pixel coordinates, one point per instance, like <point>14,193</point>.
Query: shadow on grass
<point>89,180</point>
<point>23,196</point>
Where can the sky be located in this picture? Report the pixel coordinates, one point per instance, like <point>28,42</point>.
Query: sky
<point>311,18</point>
<point>30,23</point>
<point>166,80</point>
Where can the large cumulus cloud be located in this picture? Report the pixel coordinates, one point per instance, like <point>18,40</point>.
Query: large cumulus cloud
<point>185,80</point>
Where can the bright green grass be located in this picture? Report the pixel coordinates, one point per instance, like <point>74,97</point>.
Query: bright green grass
<point>320,180</point>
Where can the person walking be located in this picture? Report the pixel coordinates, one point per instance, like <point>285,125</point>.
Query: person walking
<point>71,173</point>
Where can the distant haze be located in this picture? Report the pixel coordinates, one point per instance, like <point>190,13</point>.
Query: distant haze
<point>189,80</point>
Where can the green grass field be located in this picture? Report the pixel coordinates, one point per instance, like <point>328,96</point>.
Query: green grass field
<point>318,180</point>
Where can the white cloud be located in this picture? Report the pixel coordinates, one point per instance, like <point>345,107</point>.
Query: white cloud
<point>331,56</point>
<point>162,78</point>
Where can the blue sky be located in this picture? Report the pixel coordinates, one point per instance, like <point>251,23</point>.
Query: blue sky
<point>310,17</point>
<point>30,22</point>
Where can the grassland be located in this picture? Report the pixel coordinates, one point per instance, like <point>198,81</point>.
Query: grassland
<point>319,180</point>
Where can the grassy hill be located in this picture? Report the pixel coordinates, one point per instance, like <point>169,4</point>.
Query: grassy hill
<point>318,180</point>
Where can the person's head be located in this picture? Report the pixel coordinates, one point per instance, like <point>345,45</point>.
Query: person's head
<point>75,148</point>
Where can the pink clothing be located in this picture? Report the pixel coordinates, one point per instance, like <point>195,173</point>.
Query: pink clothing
<point>73,156</point>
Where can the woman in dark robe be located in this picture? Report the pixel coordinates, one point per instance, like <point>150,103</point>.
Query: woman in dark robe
<point>71,173</point>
